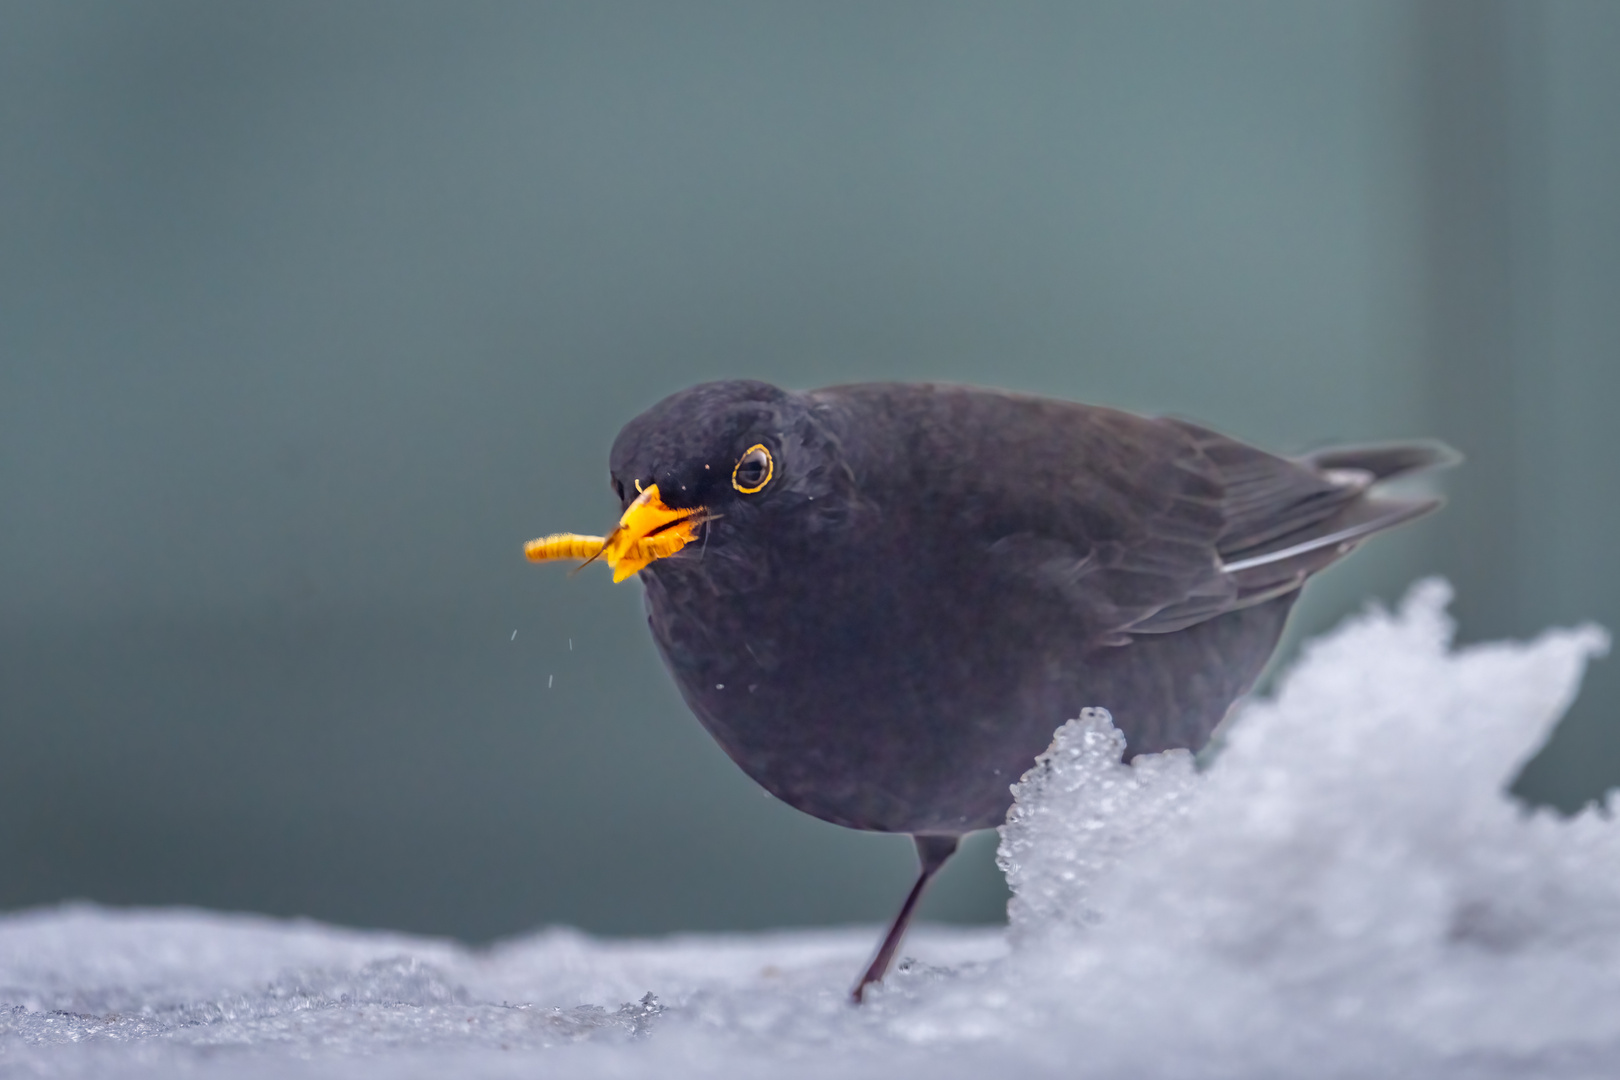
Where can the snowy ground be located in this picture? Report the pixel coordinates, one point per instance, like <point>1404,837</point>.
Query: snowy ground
<point>1344,892</point>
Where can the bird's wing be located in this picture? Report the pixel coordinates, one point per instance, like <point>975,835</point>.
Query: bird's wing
<point>1288,518</point>
<point>1135,525</point>
<point>1124,527</point>
<point>1181,524</point>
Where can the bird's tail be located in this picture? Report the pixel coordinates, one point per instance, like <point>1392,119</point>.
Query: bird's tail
<point>1285,562</point>
<point>1383,461</point>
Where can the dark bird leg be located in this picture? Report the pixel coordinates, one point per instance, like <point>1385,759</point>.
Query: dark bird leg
<point>932,851</point>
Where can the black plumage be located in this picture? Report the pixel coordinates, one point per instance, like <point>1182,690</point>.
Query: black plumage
<point>930,579</point>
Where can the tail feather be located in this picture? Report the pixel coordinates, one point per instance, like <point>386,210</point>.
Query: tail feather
<point>1288,518</point>
<point>1285,561</point>
<point>1384,461</point>
<point>1332,538</point>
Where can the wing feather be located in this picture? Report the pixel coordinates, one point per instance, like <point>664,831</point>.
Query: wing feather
<point>1137,525</point>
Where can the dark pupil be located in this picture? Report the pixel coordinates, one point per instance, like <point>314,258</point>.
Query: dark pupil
<point>751,471</point>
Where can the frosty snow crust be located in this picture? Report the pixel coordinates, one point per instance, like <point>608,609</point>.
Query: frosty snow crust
<point>1076,814</point>
<point>1344,891</point>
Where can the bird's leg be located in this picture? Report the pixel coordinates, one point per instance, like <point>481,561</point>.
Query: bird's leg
<point>932,851</point>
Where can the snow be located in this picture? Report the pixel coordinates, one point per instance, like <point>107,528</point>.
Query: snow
<point>1345,890</point>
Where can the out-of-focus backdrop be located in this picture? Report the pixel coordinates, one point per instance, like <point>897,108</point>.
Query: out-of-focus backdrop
<point>311,313</point>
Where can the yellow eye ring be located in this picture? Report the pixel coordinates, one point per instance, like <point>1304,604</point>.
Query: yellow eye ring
<point>753,470</point>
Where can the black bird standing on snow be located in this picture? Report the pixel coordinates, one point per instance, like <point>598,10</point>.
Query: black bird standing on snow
<point>883,599</point>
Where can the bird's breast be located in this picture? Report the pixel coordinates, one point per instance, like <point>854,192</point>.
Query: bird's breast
<point>878,694</point>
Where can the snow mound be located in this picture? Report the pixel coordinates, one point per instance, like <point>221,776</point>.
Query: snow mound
<point>1345,891</point>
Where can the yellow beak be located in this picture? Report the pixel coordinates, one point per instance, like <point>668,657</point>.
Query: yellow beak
<point>648,530</point>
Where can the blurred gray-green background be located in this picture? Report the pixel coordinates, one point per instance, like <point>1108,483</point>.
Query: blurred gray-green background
<point>311,313</point>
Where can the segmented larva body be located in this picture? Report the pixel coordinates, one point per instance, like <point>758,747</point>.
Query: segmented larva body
<point>563,546</point>
<point>574,546</point>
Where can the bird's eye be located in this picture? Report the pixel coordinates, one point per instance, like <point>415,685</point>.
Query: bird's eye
<point>753,470</point>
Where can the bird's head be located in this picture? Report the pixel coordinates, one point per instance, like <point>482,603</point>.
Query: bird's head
<point>715,461</point>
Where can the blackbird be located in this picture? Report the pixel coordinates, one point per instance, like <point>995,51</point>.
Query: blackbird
<point>882,599</point>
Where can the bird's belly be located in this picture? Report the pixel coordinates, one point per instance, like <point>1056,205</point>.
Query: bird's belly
<point>900,713</point>
<point>872,723</point>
